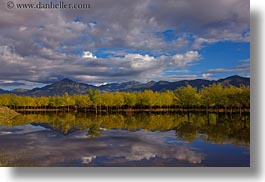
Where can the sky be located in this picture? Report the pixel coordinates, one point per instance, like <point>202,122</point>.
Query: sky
<point>124,40</point>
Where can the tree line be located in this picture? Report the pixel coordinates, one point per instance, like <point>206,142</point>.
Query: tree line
<point>216,96</point>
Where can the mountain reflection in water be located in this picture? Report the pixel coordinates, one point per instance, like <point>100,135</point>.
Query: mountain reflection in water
<point>125,140</point>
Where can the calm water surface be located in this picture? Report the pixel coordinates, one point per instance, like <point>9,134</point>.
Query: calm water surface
<point>66,139</point>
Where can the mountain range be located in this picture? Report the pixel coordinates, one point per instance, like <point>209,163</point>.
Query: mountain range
<point>72,87</point>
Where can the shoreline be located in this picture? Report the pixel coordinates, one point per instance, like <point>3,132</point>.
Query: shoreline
<point>155,110</point>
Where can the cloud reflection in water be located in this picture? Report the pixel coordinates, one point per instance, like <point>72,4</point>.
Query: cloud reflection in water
<point>112,148</point>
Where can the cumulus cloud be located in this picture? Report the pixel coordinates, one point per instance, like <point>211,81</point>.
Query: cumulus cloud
<point>43,46</point>
<point>88,68</point>
<point>206,75</point>
<point>87,54</point>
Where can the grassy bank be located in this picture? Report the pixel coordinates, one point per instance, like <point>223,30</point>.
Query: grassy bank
<point>6,113</point>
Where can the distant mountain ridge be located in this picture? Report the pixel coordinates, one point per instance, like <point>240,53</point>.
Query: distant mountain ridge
<point>61,87</point>
<point>3,91</point>
<point>72,87</point>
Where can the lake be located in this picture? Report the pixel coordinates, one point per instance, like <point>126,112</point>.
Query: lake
<point>143,139</point>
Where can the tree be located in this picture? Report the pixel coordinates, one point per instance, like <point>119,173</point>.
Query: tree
<point>69,101</point>
<point>44,102</point>
<point>107,100</point>
<point>95,97</point>
<point>187,96</point>
<point>212,95</point>
<point>130,99</point>
<point>5,100</point>
<point>147,98</point>
<point>166,98</point>
<point>82,101</point>
<point>118,100</point>
<point>14,101</point>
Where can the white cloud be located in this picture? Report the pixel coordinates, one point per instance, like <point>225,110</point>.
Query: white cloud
<point>88,159</point>
<point>139,57</point>
<point>139,61</point>
<point>100,84</point>
<point>199,42</point>
<point>87,54</point>
<point>184,59</point>
<point>207,75</point>
<point>22,28</point>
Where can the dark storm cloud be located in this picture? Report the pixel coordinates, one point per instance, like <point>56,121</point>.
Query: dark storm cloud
<point>42,45</point>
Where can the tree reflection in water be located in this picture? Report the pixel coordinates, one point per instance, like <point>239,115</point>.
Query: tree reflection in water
<point>93,131</point>
<point>217,129</point>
